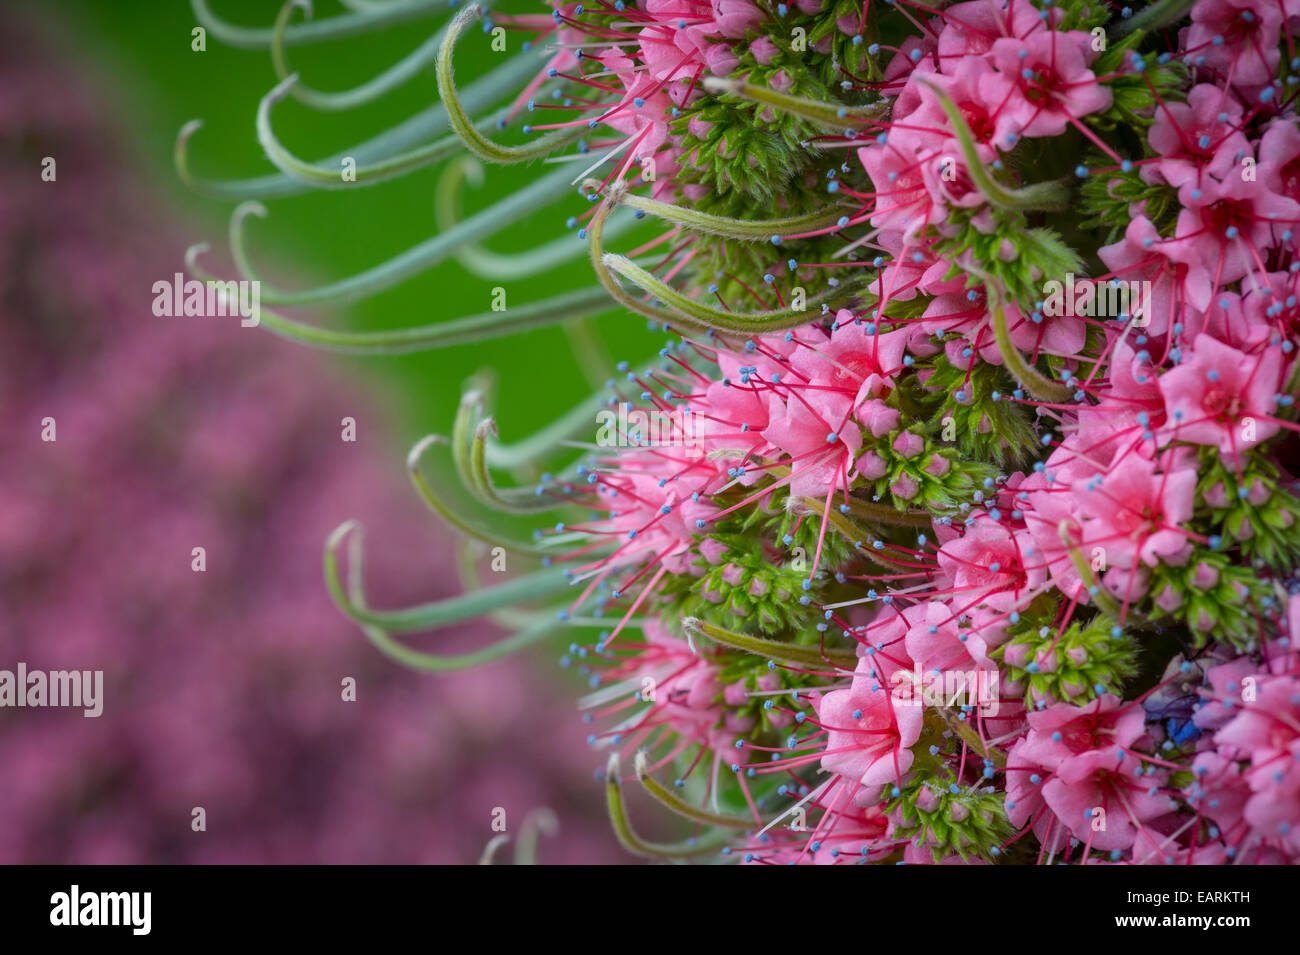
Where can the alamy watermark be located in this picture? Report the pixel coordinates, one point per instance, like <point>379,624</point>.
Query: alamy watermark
<point>976,687</point>
<point>131,909</point>
<point>638,428</point>
<point>210,299</point>
<point>42,688</point>
<point>1089,298</point>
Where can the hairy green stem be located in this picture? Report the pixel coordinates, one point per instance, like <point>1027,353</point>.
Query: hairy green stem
<point>1029,377</point>
<point>698,313</point>
<point>1036,383</point>
<point>401,72</point>
<point>790,653</point>
<point>344,176</point>
<point>487,264</point>
<point>1154,17</point>
<point>469,451</point>
<point>419,258</point>
<point>884,514</point>
<point>456,331</point>
<point>595,237</point>
<point>666,797</point>
<point>433,663</point>
<point>761,230</point>
<point>544,583</point>
<point>628,836</point>
<point>828,114</point>
<point>540,821</point>
<point>466,525</point>
<point>478,144</point>
<point>389,147</point>
<point>419,660</point>
<point>1053,195</point>
<point>334,28</point>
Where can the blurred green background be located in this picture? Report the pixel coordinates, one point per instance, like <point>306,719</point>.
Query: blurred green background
<point>319,237</point>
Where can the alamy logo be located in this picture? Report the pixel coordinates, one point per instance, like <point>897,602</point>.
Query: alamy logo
<point>210,299</point>
<point>75,907</point>
<point>946,688</point>
<point>638,428</point>
<point>36,688</point>
<point>1092,299</point>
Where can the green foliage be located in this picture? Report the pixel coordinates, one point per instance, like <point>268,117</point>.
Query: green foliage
<point>1266,533</point>
<point>939,493</point>
<point>1105,200</point>
<point>1021,258</point>
<point>1226,610</point>
<point>1068,666</point>
<point>984,424</point>
<point>1135,95</point>
<point>769,556</point>
<point>751,156</point>
<point>962,820</point>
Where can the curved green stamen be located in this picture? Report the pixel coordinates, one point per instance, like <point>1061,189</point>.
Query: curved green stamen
<point>790,653</point>
<point>439,613</point>
<point>828,114</point>
<point>628,836</point>
<point>478,144</point>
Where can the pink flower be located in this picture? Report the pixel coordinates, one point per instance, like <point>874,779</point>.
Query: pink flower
<point>1075,761</point>
<point>1266,733</point>
<point>1279,158</point>
<point>1247,34</point>
<point>822,452</point>
<point>868,732</point>
<point>1222,397</point>
<point>1043,82</point>
<point>853,834</point>
<point>1179,274</point>
<point>735,18</point>
<point>903,202</point>
<point>1137,508</point>
<point>936,642</point>
<point>971,28</point>
<point>1198,137</point>
<point>1229,224</point>
<point>988,565</point>
<point>856,364</point>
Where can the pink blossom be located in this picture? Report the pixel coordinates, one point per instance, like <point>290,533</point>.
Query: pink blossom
<point>1043,82</point>
<point>1137,509</point>
<point>1222,397</point>
<point>868,732</point>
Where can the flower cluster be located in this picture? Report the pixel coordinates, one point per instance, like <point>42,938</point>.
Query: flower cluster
<point>957,521</point>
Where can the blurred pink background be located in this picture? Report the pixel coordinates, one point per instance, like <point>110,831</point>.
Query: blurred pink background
<point>222,689</point>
